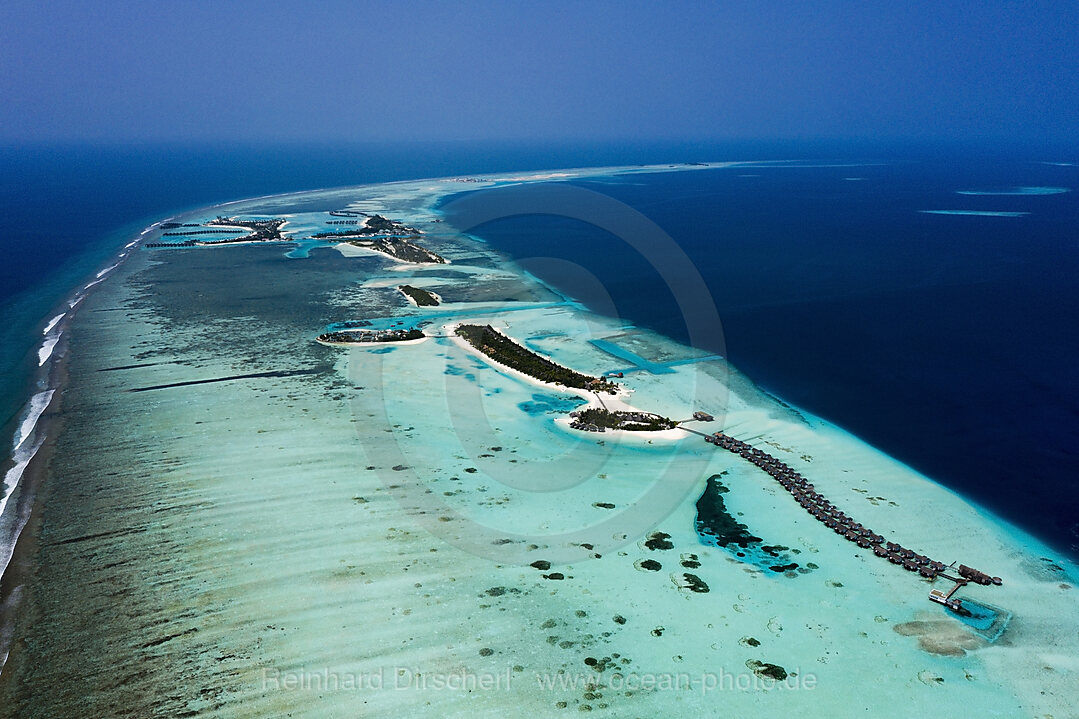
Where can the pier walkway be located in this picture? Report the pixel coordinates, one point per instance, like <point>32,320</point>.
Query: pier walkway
<point>825,512</point>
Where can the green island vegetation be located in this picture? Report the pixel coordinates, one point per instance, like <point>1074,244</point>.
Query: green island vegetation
<point>502,349</point>
<point>421,297</point>
<point>399,249</point>
<point>370,336</point>
<point>597,419</point>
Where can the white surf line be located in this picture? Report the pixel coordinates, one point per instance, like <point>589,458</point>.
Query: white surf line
<point>20,453</point>
<point>974,213</point>
<point>37,405</point>
<point>107,270</point>
<point>11,481</point>
<point>1016,192</point>
<point>53,322</point>
<point>45,351</point>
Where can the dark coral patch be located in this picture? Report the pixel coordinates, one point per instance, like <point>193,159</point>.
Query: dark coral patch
<point>659,540</point>
<point>764,669</point>
<point>694,583</point>
<point>716,526</point>
<point>716,522</point>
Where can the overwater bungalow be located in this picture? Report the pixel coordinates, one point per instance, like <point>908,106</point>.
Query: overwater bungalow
<point>831,517</point>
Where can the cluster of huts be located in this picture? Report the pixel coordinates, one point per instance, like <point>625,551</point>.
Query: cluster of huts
<point>639,417</point>
<point>817,505</point>
<point>976,576</point>
<point>185,243</point>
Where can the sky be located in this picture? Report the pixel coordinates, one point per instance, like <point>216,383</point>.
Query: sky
<point>287,70</point>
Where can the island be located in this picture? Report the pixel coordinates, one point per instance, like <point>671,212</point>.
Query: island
<point>505,351</point>
<point>421,297</point>
<point>257,231</point>
<point>399,249</point>
<point>599,419</point>
<point>373,225</point>
<point>260,230</point>
<point>389,237</point>
<point>364,337</point>
<point>377,233</point>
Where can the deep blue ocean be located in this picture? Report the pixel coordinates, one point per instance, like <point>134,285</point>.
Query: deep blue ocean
<point>948,341</point>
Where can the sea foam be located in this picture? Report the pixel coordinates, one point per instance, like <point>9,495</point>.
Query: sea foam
<point>36,408</point>
<point>974,213</point>
<point>46,349</point>
<point>22,456</point>
<point>52,323</point>
<point>1008,191</point>
<point>107,270</point>
<point>11,481</point>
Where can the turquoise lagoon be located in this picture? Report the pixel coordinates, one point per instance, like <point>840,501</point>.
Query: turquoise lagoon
<point>237,521</point>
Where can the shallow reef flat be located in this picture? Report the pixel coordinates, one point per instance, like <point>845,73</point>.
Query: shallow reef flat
<point>238,521</point>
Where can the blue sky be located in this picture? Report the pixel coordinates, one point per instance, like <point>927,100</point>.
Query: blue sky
<point>360,71</point>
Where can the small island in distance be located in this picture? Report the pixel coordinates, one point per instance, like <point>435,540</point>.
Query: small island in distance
<point>356,337</point>
<point>375,232</point>
<point>421,297</point>
<point>598,419</point>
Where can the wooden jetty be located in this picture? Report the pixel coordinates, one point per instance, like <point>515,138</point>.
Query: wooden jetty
<point>839,522</point>
<point>185,243</point>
